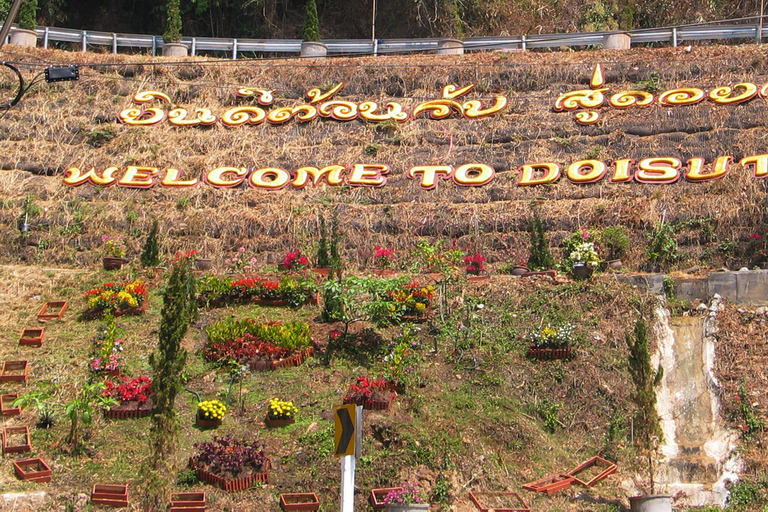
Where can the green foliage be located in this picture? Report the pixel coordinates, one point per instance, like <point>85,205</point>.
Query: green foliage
<point>652,85</point>
<point>752,422</point>
<point>647,427</point>
<point>662,246</point>
<point>597,16</point>
<point>336,263</point>
<point>150,255</point>
<point>39,400</point>
<point>311,30</point>
<point>29,210</point>
<point>323,258</point>
<point>28,15</point>
<point>548,410</point>
<point>81,410</point>
<point>290,335</point>
<point>668,285</point>
<point>172,32</point>
<point>744,493</point>
<point>614,240</point>
<point>441,491</point>
<point>541,257</point>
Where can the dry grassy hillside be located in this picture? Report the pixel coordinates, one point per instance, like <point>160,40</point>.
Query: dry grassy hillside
<point>73,124</point>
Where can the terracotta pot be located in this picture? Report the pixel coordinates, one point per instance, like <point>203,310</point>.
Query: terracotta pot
<point>323,271</point>
<point>377,496</point>
<point>550,484</point>
<point>14,371</point>
<point>110,263</point>
<point>519,270</point>
<point>11,444</point>
<point>279,422</point>
<point>582,271</point>
<point>111,495</point>
<point>516,503</point>
<point>205,423</point>
<point>187,502</point>
<point>130,409</point>
<point>203,264</point>
<point>53,309</point>
<point>6,405</point>
<point>234,484</point>
<point>613,264</point>
<point>608,468</point>
<point>299,501</point>
<point>548,354</point>
<point>410,507</point>
<point>482,277</point>
<point>651,503</point>
<point>32,337</point>
<point>108,373</point>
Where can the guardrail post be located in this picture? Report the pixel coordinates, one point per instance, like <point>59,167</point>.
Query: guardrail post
<point>758,34</point>
<point>234,49</point>
<point>85,41</point>
<point>154,46</point>
<point>114,43</point>
<point>45,38</point>
<point>523,43</point>
<point>194,46</point>
<point>674,36</point>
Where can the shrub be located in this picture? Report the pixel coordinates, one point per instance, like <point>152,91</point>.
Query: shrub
<point>150,254</point>
<point>541,257</point>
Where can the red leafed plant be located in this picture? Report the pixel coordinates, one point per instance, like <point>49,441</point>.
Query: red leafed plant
<point>137,389</point>
<point>295,261</point>
<point>244,350</point>
<point>474,264</point>
<point>367,388</point>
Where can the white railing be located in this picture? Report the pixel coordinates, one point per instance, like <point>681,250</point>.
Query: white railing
<point>238,47</point>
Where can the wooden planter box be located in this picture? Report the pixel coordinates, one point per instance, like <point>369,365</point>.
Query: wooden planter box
<point>236,484</point>
<point>187,502</point>
<point>499,501</point>
<point>549,354</point>
<point>14,371</point>
<point>129,410</point>
<point>373,405</point>
<point>138,310</point>
<point>13,445</point>
<point>51,310</point>
<point>602,468</point>
<point>32,337</point>
<point>550,484</point>
<point>6,405</point>
<point>206,423</point>
<point>377,496</point>
<point>32,470</point>
<point>112,495</point>
<point>299,501</point>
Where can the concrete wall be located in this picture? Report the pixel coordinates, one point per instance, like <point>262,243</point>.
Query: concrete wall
<point>746,287</point>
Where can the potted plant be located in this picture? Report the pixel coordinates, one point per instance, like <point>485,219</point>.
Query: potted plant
<point>648,431</point>
<point>383,260</point>
<point>411,301</point>
<point>403,359</point>
<point>172,46</point>
<point>475,266</point>
<point>113,252</point>
<point>405,499</point>
<point>25,35</point>
<point>230,463</point>
<point>584,260</point>
<point>293,260</point>
<point>210,413</point>
<point>108,345</point>
<point>311,45</point>
<point>133,396</point>
<point>551,342</point>
<point>615,242</point>
<point>305,501</point>
<point>280,412</point>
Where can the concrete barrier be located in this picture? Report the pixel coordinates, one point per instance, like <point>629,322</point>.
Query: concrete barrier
<point>746,287</point>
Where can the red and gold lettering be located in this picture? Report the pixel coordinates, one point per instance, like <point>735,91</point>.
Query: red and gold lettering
<point>138,177</point>
<point>429,174</point>
<point>473,175</point>
<point>531,174</point>
<point>270,178</point>
<point>217,177</point>
<point>172,179</point>
<point>75,177</point>
<point>696,169</point>
<point>621,171</point>
<point>658,170</point>
<point>757,163</point>
<point>368,175</point>
<point>332,175</point>
<point>586,171</point>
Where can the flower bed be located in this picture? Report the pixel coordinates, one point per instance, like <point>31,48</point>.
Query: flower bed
<point>231,464</point>
<point>133,395</point>
<point>411,301</point>
<point>261,346</point>
<point>118,299</point>
<point>371,393</point>
<point>289,291</point>
<point>108,347</point>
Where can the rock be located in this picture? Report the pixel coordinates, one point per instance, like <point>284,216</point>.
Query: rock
<point>761,311</point>
<point>702,307</point>
<point>692,270</point>
<point>24,501</point>
<point>743,269</point>
<point>741,311</point>
<point>723,269</point>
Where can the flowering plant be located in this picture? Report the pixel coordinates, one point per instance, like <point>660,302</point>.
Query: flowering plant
<point>585,253</point>
<point>137,389</point>
<point>367,389</point>
<point>474,264</point>
<point>295,261</point>
<point>109,346</point>
<point>758,246</point>
<point>228,457</point>
<point>114,246</point>
<point>383,258</point>
<point>187,255</point>
<point>281,410</point>
<point>116,298</point>
<point>211,410</point>
<point>552,337</point>
<point>403,356</point>
<point>240,261</point>
<point>407,494</point>
<point>412,299</point>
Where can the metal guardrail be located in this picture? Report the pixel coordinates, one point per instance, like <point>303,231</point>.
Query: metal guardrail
<point>234,47</point>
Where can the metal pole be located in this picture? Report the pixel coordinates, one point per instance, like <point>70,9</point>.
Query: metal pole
<point>373,29</point>
<point>760,27</point>
<point>12,12</point>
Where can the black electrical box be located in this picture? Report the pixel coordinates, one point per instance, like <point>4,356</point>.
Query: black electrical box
<point>62,73</point>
